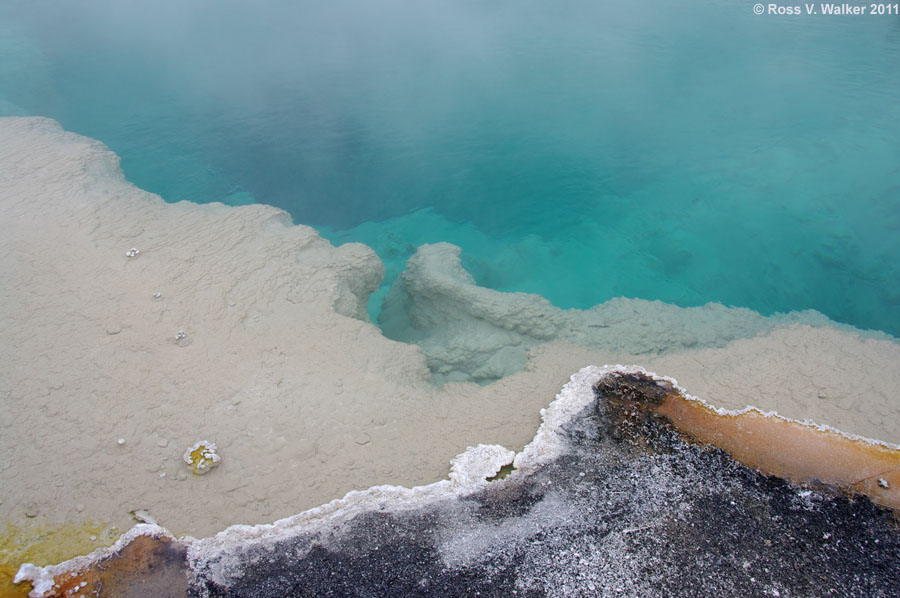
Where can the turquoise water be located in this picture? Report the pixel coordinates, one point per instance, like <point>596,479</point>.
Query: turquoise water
<point>579,149</point>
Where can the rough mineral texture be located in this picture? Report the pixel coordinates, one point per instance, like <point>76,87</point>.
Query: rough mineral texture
<point>608,500</point>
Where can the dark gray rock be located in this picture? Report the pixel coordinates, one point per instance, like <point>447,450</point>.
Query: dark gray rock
<point>630,509</point>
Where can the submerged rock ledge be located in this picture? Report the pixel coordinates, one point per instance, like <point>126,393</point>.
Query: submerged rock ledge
<point>135,328</point>
<point>472,333</point>
<point>610,497</point>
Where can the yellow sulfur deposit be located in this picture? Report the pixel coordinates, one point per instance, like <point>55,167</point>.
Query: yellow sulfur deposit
<point>42,543</point>
<point>202,457</point>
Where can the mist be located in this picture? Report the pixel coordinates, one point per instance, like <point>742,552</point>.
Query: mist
<point>399,87</point>
<point>657,149</point>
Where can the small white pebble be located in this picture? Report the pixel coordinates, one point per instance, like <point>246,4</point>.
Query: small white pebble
<point>120,441</point>
<point>157,295</point>
<point>93,538</point>
<point>162,475</point>
<point>883,483</point>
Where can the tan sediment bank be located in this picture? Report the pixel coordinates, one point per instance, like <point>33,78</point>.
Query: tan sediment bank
<point>630,398</point>
<point>802,453</point>
<point>304,399</point>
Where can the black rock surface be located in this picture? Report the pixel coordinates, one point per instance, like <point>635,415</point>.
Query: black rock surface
<point>630,509</point>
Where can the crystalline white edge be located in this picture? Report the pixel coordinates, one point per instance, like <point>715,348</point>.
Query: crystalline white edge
<point>469,471</point>
<point>41,578</point>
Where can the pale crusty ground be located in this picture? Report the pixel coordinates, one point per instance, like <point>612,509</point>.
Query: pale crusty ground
<point>819,374</point>
<point>304,399</point>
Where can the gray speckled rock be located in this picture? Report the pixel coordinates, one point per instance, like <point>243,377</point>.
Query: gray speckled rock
<point>607,500</point>
<point>594,509</point>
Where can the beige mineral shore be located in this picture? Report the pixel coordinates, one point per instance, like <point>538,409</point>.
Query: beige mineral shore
<point>277,364</point>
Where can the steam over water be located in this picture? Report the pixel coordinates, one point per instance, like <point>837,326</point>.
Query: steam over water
<point>580,149</point>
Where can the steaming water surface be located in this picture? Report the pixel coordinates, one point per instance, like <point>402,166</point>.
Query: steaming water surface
<point>582,150</point>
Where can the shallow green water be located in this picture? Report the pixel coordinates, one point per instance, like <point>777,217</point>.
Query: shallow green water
<point>582,150</point>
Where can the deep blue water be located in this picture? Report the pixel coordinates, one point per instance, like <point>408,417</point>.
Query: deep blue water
<point>579,149</point>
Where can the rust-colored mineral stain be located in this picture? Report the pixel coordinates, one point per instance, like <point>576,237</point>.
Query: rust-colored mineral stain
<point>145,567</point>
<point>156,567</point>
<point>42,544</point>
<point>791,450</point>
